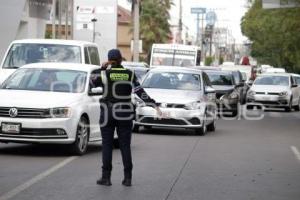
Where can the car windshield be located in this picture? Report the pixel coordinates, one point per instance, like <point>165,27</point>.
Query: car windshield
<point>171,57</point>
<point>220,78</point>
<point>172,80</point>
<point>55,80</point>
<point>272,80</point>
<point>21,54</point>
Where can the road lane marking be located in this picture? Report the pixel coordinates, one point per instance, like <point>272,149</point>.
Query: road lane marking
<point>36,179</point>
<point>296,152</point>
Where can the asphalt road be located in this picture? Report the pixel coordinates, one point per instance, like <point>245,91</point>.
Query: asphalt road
<point>242,160</point>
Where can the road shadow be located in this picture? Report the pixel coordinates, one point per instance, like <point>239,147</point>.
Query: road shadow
<point>43,150</point>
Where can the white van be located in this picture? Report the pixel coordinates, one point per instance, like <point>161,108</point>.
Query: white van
<point>21,52</point>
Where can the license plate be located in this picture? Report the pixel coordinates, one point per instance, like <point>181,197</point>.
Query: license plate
<point>10,128</point>
<point>266,98</point>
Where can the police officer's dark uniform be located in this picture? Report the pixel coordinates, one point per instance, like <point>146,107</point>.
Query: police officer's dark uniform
<point>117,112</point>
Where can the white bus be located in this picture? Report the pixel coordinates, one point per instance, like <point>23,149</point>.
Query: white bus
<point>173,55</point>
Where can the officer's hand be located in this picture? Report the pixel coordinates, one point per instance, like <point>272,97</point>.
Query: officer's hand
<point>105,65</point>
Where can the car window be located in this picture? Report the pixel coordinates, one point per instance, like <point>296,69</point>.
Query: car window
<point>94,55</point>
<point>297,80</point>
<point>47,80</point>
<point>272,80</point>
<point>21,54</point>
<point>86,56</point>
<point>172,80</point>
<point>219,78</point>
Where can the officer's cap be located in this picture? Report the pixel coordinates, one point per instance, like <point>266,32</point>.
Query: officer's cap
<point>114,54</point>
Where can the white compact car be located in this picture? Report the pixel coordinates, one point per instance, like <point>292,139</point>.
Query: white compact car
<point>186,98</point>
<point>51,103</point>
<point>275,90</point>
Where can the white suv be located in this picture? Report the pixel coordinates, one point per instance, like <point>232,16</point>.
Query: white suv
<point>275,90</point>
<point>21,52</point>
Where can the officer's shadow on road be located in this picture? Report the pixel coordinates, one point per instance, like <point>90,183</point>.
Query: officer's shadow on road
<point>42,150</point>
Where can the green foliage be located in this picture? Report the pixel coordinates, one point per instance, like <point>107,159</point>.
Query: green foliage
<point>275,35</point>
<point>154,22</point>
<point>208,61</point>
<point>221,60</point>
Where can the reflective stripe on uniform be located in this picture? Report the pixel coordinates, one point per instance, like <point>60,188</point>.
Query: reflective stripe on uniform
<point>103,77</point>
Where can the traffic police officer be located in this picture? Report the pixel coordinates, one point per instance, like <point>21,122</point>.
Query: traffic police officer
<point>117,112</point>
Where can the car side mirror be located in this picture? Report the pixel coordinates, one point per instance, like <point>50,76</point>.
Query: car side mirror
<point>294,85</point>
<point>250,83</point>
<point>209,90</point>
<point>96,91</point>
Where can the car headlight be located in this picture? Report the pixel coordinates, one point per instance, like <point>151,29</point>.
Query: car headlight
<point>139,102</point>
<point>285,93</point>
<point>193,105</point>
<point>233,95</point>
<point>251,93</point>
<point>59,113</point>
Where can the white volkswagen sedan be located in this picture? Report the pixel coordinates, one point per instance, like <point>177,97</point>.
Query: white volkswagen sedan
<point>186,98</point>
<point>51,103</point>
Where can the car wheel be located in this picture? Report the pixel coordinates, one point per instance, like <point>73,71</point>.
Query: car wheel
<point>136,128</point>
<point>297,107</point>
<point>212,127</point>
<point>80,145</point>
<point>203,129</point>
<point>289,108</point>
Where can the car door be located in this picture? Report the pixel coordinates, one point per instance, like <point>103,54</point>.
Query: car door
<point>94,106</point>
<point>210,98</point>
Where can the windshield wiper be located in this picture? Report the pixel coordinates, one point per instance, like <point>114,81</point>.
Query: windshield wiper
<point>11,67</point>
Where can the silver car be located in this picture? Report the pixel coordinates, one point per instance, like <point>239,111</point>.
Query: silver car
<point>275,90</point>
<point>185,96</point>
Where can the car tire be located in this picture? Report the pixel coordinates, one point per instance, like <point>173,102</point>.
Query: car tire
<point>297,107</point>
<point>212,127</point>
<point>203,129</point>
<point>290,106</point>
<point>80,145</point>
<point>136,128</point>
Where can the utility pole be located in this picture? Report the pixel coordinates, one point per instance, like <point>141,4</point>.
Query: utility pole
<point>180,22</point>
<point>72,20</point>
<point>202,36</point>
<point>67,19</point>
<point>136,30</point>
<point>94,20</point>
<point>60,5</point>
<point>53,19</point>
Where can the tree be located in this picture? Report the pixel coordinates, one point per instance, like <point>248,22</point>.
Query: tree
<point>275,35</point>
<point>154,22</point>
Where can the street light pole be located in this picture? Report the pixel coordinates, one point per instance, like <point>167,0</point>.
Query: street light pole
<point>94,20</point>
<point>136,30</point>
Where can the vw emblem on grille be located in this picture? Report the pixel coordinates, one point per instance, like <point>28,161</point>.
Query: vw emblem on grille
<point>13,112</point>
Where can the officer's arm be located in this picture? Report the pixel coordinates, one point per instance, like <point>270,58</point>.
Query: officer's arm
<point>141,93</point>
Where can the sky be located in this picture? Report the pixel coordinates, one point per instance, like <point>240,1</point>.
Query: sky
<point>229,14</point>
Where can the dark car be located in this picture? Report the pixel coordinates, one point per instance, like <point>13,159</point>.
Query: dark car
<point>242,87</point>
<point>227,91</point>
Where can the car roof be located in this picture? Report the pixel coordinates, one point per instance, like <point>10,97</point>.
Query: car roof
<point>219,72</point>
<point>65,66</point>
<point>134,63</point>
<point>175,69</point>
<point>54,41</point>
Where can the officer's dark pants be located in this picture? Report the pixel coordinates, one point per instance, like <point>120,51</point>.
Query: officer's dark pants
<point>109,124</point>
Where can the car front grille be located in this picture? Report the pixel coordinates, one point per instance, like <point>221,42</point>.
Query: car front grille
<point>24,112</point>
<point>151,120</point>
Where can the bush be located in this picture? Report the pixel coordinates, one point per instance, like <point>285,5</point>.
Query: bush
<point>208,61</point>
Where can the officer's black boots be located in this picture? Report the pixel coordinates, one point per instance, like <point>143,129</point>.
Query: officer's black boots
<point>105,180</point>
<point>126,182</point>
<point>127,179</point>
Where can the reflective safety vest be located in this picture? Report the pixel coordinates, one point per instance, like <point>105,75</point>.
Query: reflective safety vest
<point>117,84</point>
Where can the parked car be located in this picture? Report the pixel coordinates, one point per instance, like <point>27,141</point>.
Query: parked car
<point>51,103</point>
<point>21,52</point>
<point>185,96</point>
<point>227,91</point>
<point>275,90</point>
<point>139,68</point>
